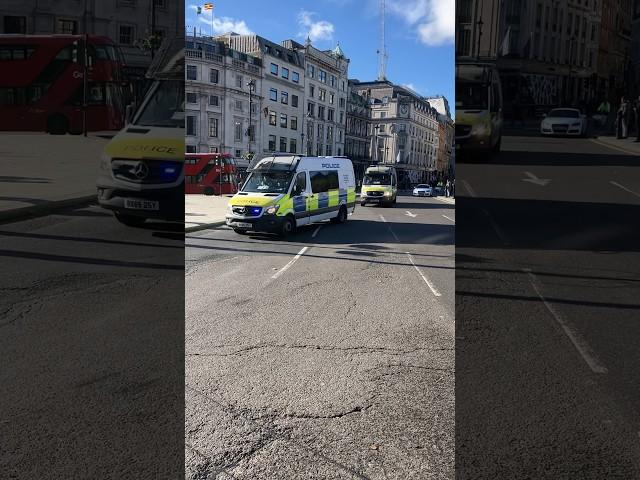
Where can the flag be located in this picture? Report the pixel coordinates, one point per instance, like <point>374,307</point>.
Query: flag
<point>208,6</point>
<point>504,48</point>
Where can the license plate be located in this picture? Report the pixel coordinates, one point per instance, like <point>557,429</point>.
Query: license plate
<point>242,225</point>
<point>138,204</point>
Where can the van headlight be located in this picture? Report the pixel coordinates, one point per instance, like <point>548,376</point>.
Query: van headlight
<point>387,193</point>
<point>229,208</point>
<point>105,162</point>
<point>271,210</point>
<point>479,130</point>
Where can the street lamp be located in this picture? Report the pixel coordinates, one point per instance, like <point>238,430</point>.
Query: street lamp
<point>375,143</point>
<point>308,115</point>
<point>252,86</point>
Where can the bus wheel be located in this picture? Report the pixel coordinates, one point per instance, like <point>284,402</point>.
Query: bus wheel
<point>341,217</point>
<point>208,191</point>
<point>129,220</point>
<point>57,125</point>
<point>288,226</point>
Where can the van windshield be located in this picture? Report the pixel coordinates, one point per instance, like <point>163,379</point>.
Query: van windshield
<point>268,182</point>
<point>377,179</point>
<point>165,108</point>
<point>472,95</point>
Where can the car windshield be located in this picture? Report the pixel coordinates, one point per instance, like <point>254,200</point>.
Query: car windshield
<point>472,95</point>
<point>564,113</point>
<point>422,186</point>
<point>267,182</point>
<point>377,179</point>
<point>165,108</point>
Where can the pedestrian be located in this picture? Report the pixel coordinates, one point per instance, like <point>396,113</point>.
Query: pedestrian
<point>623,119</point>
<point>603,111</point>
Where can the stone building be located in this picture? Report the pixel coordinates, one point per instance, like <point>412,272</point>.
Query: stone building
<point>223,98</point>
<point>357,130</point>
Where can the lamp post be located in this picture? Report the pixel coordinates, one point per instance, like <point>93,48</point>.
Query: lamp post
<point>252,86</point>
<point>304,150</point>
<point>375,143</point>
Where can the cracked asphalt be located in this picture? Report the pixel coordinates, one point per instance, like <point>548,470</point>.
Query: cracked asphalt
<point>339,366</point>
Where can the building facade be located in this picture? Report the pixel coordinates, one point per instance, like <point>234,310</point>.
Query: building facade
<point>222,98</point>
<point>358,130</point>
<point>130,23</point>
<point>404,130</point>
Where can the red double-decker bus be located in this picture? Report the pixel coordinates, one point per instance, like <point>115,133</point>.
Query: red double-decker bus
<point>42,83</point>
<point>210,173</point>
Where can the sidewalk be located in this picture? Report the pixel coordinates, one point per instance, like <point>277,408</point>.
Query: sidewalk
<point>204,211</point>
<point>42,172</point>
<point>626,145</point>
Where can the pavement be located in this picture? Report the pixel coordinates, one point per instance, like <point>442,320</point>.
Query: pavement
<point>204,211</point>
<point>327,355</point>
<point>42,172</point>
<point>546,310</point>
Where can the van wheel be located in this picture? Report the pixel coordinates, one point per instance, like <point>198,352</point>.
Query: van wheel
<point>363,204</point>
<point>498,145</point>
<point>341,217</point>
<point>129,220</point>
<point>208,191</point>
<point>288,226</point>
<point>57,124</point>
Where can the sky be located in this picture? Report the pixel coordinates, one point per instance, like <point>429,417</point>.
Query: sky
<point>419,34</point>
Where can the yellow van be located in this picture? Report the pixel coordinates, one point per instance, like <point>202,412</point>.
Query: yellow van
<point>379,186</point>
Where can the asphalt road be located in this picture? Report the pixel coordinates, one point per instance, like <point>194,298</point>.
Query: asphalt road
<point>547,312</point>
<point>91,335</point>
<point>329,355</point>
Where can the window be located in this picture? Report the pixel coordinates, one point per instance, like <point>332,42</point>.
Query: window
<point>294,100</point>
<point>301,184</point>
<point>324,181</point>
<point>322,75</point>
<point>273,118</point>
<point>328,150</point>
<point>192,97</point>
<point>321,112</point>
<point>322,94</point>
<point>331,98</point>
<point>239,81</point>
<point>238,153</point>
<point>127,35</point>
<point>285,72</point>
<point>329,134</point>
<point>319,150</point>
<point>237,130</point>
<point>330,113</point>
<point>333,80</point>
<point>214,100</point>
<point>272,143</point>
<point>15,24</point>
<point>311,109</point>
<point>342,102</point>
<point>341,117</point>
<point>213,127</point>
<point>295,77</point>
<point>239,105</point>
<point>293,145</point>
<point>383,114</point>
<point>283,144</point>
<point>213,75</point>
<point>192,72</point>
<point>213,149</point>
<point>274,69</point>
<point>284,97</point>
<point>70,27</point>
<point>192,125</point>
<point>294,122</point>
<point>191,149</point>
<point>310,70</point>
<point>283,120</point>
<point>382,128</point>
<point>312,90</point>
<point>273,94</point>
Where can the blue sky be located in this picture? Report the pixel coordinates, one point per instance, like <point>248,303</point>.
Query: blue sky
<point>419,34</point>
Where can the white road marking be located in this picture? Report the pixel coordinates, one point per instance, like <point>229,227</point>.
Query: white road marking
<point>446,200</point>
<point>469,189</point>
<point>543,182</point>
<point>392,232</point>
<point>288,265</point>
<point>433,289</point>
<point>625,188</point>
<point>615,147</point>
<point>496,228</point>
<point>316,231</point>
<point>578,341</point>
<point>409,214</point>
<point>448,218</point>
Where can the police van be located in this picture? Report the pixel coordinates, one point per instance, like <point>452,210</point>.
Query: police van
<point>379,186</point>
<point>141,170</point>
<point>283,192</point>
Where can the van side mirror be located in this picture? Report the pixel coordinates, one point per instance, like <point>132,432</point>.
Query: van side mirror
<point>128,114</point>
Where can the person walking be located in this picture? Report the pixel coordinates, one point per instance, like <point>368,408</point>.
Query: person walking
<point>603,111</point>
<point>623,119</point>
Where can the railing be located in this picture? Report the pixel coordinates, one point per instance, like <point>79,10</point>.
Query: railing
<point>213,57</point>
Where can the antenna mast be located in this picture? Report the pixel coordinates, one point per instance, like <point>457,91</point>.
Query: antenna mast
<point>382,50</point>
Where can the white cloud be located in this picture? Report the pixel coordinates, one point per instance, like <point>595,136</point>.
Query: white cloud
<point>434,20</point>
<point>317,31</point>
<point>221,24</point>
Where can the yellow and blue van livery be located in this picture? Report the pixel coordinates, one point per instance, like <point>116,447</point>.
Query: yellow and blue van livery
<point>379,186</point>
<point>283,192</point>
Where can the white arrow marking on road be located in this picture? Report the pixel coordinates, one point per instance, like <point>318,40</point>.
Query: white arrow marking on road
<point>412,215</point>
<point>543,182</point>
<point>433,289</point>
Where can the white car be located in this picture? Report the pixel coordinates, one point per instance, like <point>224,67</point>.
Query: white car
<point>564,121</point>
<point>423,190</point>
